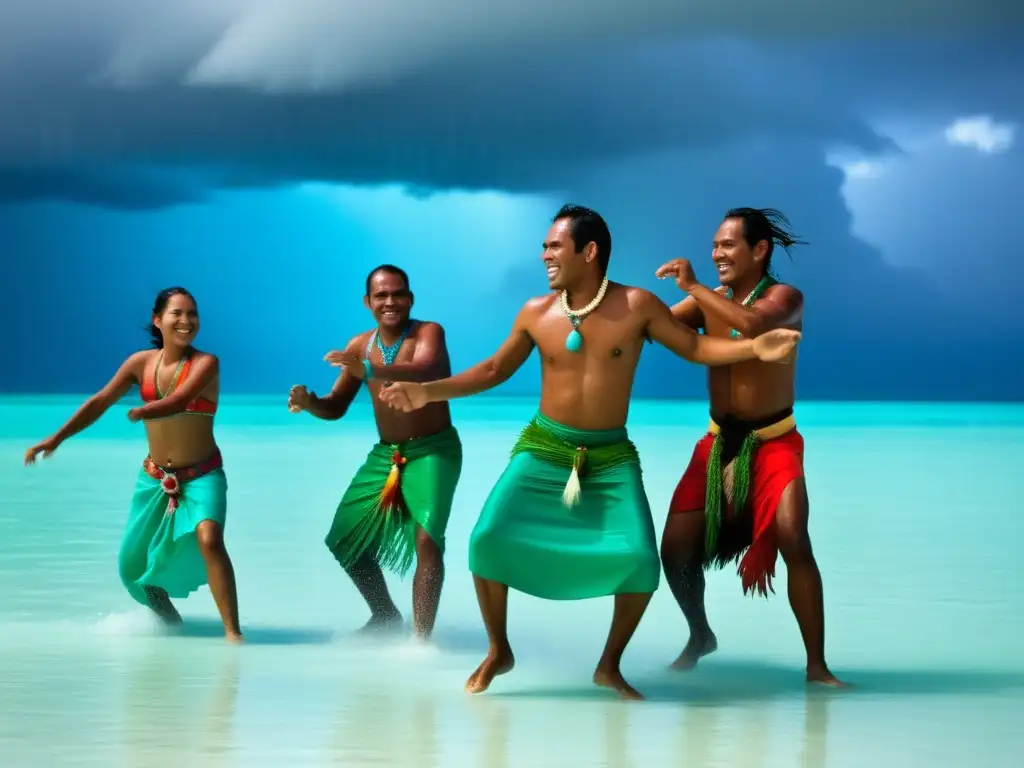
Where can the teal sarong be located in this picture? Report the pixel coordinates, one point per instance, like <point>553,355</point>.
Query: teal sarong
<point>528,538</point>
<point>398,488</point>
<point>159,548</point>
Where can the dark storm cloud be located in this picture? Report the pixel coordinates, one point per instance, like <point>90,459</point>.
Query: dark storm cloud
<point>458,97</point>
<point>873,330</point>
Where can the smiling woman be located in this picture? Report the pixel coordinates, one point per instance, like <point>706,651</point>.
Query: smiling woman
<point>174,541</point>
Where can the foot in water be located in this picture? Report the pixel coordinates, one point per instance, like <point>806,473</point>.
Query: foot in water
<point>608,676</point>
<point>819,674</point>
<point>160,603</point>
<point>697,647</point>
<point>234,638</point>
<point>382,622</point>
<point>496,663</point>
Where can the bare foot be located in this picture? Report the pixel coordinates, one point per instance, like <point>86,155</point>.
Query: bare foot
<point>234,637</point>
<point>698,646</point>
<point>382,622</point>
<point>611,677</point>
<point>496,663</point>
<point>819,674</point>
<point>172,619</point>
<point>161,605</point>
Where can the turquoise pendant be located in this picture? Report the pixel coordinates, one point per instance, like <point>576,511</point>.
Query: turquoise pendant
<point>573,341</point>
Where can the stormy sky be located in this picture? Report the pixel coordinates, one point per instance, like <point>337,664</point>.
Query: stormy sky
<point>267,154</point>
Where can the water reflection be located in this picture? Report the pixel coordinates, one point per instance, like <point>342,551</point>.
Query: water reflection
<point>757,736</point>
<point>814,752</point>
<point>385,727</point>
<point>178,707</point>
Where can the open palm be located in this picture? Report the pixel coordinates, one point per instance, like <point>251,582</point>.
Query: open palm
<point>777,346</point>
<point>405,396</point>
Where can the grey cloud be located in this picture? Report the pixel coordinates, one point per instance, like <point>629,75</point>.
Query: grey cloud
<point>500,124</point>
<point>267,92</point>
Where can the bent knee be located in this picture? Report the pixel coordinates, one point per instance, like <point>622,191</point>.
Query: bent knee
<point>683,536</point>
<point>791,532</point>
<point>426,547</point>
<point>210,537</point>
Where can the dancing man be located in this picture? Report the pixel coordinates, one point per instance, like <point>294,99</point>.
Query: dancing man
<point>569,518</point>
<point>744,490</point>
<point>397,505</point>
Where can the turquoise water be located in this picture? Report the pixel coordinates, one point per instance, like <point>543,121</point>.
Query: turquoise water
<point>916,520</point>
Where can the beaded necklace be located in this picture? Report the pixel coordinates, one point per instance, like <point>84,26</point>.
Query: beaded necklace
<point>389,352</point>
<point>753,296</point>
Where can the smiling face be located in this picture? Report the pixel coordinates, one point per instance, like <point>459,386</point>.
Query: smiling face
<point>179,321</point>
<point>732,255</point>
<point>389,299</point>
<point>565,267</point>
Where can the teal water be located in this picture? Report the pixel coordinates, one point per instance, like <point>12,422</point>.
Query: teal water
<point>916,521</point>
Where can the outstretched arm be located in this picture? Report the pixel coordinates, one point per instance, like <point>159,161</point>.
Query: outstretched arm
<point>688,312</point>
<point>409,396</point>
<point>663,328</point>
<point>202,372</point>
<point>126,377</point>
<point>493,371</point>
<point>781,306</point>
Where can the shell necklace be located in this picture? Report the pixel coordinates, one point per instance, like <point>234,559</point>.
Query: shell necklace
<point>574,341</point>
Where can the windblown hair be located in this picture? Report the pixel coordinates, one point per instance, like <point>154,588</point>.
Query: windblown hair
<point>769,225</point>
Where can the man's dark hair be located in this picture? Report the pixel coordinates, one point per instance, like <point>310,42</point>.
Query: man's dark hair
<point>766,224</point>
<point>587,226</point>
<point>391,269</point>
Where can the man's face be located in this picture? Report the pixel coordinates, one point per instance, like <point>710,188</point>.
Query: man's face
<point>565,267</point>
<point>389,300</point>
<point>733,257</point>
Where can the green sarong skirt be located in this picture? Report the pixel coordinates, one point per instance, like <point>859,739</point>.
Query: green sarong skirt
<point>532,540</point>
<point>398,488</point>
<point>159,547</point>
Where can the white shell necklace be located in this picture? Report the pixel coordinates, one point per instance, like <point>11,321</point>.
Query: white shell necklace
<point>574,341</point>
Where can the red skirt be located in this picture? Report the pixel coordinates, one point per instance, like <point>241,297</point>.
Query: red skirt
<point>776,463</point>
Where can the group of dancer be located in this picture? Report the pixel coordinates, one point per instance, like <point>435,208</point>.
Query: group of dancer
<point>569,518</point>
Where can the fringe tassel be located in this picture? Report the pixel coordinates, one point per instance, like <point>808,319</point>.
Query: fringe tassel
<point>573,490</point>
<point>757,568</point>
<point>392,485</point>
<point>386,531</point>
<point>713,499</point>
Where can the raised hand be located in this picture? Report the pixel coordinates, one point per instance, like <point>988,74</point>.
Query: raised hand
<point>777,346</point>
<point>347,360</point>
<point>679,270</point>
<point>404,396</point>
<point>299,398</point>
<point>46,447</point>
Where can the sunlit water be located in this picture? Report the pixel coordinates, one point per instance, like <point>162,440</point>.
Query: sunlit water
<point>916,520</point>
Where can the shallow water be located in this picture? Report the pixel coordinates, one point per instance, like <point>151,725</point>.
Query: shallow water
<point>915,520</point>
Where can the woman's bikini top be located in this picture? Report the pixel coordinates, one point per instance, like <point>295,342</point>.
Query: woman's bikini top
<point>201,406</point>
